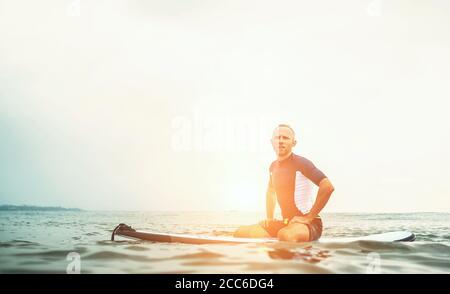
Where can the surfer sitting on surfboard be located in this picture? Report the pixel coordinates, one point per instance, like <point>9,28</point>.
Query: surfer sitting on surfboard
<point>290,184</point>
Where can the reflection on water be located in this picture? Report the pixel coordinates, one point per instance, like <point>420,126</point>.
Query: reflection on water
<point>308,254</point>
<point>39,242</point>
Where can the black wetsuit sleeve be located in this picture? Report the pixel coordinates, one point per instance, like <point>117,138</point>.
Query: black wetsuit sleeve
<point>310,171</point>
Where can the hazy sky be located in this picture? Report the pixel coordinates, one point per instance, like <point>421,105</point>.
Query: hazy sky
<point>161,105</point>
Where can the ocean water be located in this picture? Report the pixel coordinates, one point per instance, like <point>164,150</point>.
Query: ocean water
<point>48,242</point>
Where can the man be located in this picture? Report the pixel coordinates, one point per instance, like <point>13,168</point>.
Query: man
<point>290,180</point>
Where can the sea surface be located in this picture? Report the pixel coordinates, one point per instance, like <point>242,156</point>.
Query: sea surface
<point>79,241</point>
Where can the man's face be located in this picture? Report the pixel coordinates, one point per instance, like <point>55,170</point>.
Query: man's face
<point>283,141</point>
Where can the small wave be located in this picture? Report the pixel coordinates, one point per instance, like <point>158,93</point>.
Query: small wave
<point>367,245</point>
<point>432,248</point>
<point>283,267</point>
<point>137,248</point>
<point>182,272</point>
<point>308,255</point>
<point>49,253</point>
<point>110,255</point>
<point>29,271</point>
<point>202,254</point>
<point>118,242</point>
<point>211,262</point>
<point>18,243</point>
<point>93,234</point>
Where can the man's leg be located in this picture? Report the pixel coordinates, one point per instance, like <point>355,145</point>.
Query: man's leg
<point>295,232</point>
<point>253,231</point>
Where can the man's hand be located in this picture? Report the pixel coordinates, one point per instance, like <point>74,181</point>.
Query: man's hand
<point>301,220</point>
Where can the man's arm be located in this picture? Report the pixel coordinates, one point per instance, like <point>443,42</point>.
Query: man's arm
<point>323,195</point>
<point>271,201</point>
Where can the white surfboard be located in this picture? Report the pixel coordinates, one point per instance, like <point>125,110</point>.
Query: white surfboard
<point>397,236</point>
<point>128,232</point>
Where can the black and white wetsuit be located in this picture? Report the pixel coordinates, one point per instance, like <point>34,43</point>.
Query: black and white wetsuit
<point>292,179</point>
